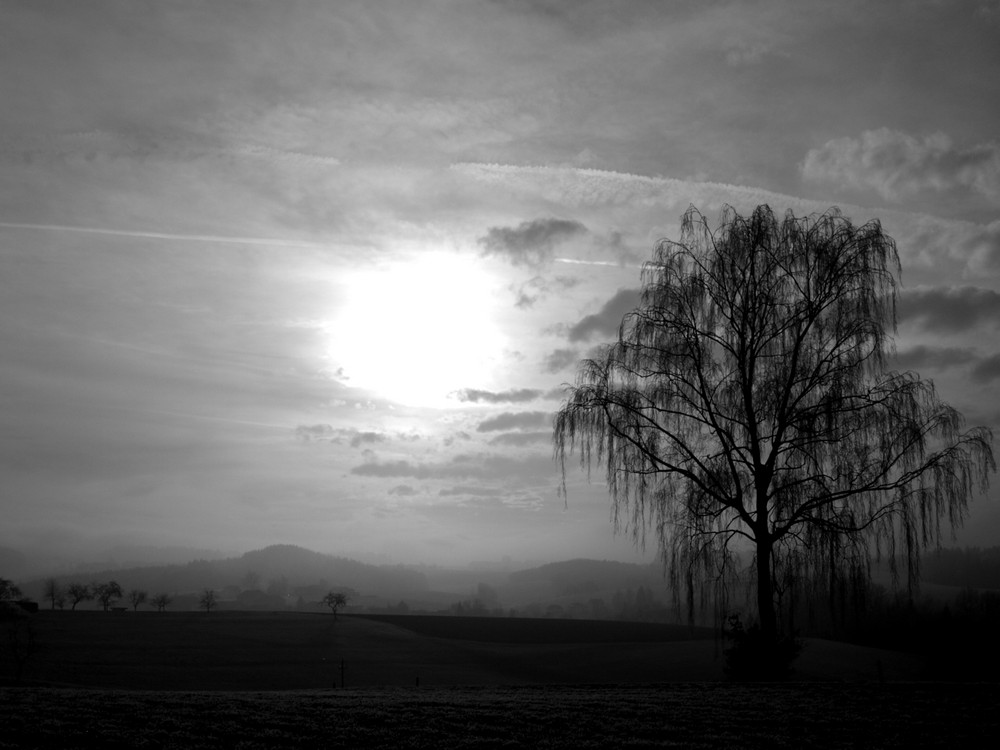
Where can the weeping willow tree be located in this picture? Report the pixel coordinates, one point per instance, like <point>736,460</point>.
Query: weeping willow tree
<point>747,404</point>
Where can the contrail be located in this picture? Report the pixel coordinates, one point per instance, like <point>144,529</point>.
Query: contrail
<point>593,262</point>
<point>166,236</point>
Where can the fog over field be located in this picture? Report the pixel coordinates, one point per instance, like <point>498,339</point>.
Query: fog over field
<point>315,273</point>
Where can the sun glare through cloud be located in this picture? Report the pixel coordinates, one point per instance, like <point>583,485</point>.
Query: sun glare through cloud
<point>416,330</point>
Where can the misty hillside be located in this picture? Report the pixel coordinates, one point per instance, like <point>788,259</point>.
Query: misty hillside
<point>288,565</point>
<point>971,567</point>
<point>583,575</point>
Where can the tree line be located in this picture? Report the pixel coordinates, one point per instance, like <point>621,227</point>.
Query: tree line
<point>106,593</point>
<point>109,593</point>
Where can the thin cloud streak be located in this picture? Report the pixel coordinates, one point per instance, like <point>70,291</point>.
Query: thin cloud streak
<point>260,241</point>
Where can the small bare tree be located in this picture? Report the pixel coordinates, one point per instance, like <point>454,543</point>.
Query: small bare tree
<point>9,591</point>
<point>208,601</point>
<point>161,602</point>
<point>137,597</point>
<point>335,600</point>
<point>53,592</point>
<point>107,593</point>
<point>78,592</point>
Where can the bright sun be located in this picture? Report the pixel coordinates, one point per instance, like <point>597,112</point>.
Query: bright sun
<point>416,330</point>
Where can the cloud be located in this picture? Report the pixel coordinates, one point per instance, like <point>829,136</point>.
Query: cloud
<point>199,238</point>
<point>949,309</point>
<point>513,421</point>
<point>742,53</point>
<point>314,432</point>
<point>517,395</point>
<point>329,434</point>
<point>467,489</point>
<point>403,490</point>
<point>402,468</point>
<point>519,439</point>
<point>359,438</point>
<point>987,369</point>
<point>524,470</point>
<point>983,370</point>
<point>645,196</point>
<point>560,359</point>
<point>936,357</point>
<point>531,243</point>
<point>538,287</point>
<point>606,321</point>
<point>898,165</point>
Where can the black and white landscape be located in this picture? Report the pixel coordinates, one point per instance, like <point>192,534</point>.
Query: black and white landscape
<point>387,370</point>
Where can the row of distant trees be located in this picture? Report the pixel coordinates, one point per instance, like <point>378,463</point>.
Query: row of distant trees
<point>107,593</point>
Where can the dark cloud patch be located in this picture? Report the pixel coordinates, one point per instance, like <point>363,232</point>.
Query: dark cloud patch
<point>525,301</point>
<point>987,370</point>
<point>935,357</point>
<point>513,421</point>
<point>531,243</point>
<point>527,469</point>
<point>460,435</point>
<point>593,19</point>
<point>539,287</point>
<point>898,165</point>
<point>329,434</point>
<point>467,490</point>
<point>606,321</point>
<point>403,490</point>
<point>401,469</point>
<point>948,309</point>
<point>362,438</point>
<point>518,439</point>
<point>560,359</point>
<point>626,255</point>
<point>513,396</point>
<point>310,432</point>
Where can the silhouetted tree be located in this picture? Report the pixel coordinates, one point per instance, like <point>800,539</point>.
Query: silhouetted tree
<point>137,597</point>
<point>53,592</point>
<point>78,592</point>
<point>335,600</point>
<point>107,593</point>
<point>207,601</point>
<point>747,401</point>
<point>161,602</point>
<point>9,591</point>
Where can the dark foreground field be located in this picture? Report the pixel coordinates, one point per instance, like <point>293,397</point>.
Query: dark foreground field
<point>292,651</point>
<point>702,715</point>
<point>233,679</point>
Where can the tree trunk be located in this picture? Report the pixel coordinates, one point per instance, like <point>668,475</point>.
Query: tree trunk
<point>765,592</point>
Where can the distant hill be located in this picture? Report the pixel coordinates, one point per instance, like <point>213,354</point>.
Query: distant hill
<point>589,588</point>
<point>972,567</point>
<point>286,564</point>
<point>583,574</point>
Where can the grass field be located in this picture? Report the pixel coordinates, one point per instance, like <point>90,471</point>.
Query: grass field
<point>289,651</point>
<point>703,715</point>
<point>236,679</point>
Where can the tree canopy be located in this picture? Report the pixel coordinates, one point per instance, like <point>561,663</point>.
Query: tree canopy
<point>748,402</point>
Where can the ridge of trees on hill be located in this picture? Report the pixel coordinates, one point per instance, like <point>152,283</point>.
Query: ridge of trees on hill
<point>273,570</point>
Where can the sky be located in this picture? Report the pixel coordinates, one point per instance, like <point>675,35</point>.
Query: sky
<point>316,273</point>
